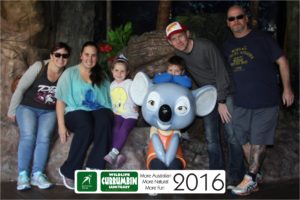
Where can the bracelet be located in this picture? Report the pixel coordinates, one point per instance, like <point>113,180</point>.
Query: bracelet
<point>222,101</point>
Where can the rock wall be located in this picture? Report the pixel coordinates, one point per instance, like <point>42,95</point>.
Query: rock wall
<point>148,52</point>
<point>135,150</point>
<point>27,26</point>
<point>20,22</point>
<point>28,30</point>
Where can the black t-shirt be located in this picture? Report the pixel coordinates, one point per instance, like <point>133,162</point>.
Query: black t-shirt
<point>41,93</point>
<point>255,75</point>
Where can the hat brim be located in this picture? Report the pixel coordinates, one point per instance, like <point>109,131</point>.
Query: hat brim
<point>177,31</point>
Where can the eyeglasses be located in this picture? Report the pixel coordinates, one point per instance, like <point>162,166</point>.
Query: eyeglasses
<point>236,17</point>
<point>58,55</point>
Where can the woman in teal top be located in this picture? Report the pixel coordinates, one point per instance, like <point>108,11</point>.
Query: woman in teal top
<point>84,108</point>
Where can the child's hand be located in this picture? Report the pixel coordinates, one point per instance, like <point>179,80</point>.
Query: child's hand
<point>136,108</point>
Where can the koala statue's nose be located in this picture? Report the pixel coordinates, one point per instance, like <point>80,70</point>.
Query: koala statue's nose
<point>165,113</point>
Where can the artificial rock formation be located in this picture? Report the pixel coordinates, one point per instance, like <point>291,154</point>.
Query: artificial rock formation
<point>148,52</point>
<point>25,27</point>
<point>20,22</point>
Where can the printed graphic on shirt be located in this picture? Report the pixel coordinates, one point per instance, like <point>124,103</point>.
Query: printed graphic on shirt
<point>239,57</point>
<point>90,100</point>
<point>46,95</point>
<point>118,98</point>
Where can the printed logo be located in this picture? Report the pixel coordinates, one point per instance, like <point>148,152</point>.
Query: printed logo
<point>119,181</point>
<point>87,181</point>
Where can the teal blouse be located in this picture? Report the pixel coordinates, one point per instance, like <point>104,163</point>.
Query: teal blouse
<point>79,95</point>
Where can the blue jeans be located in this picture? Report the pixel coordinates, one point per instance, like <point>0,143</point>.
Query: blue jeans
<point>36,127</point>
<point>212,126</point>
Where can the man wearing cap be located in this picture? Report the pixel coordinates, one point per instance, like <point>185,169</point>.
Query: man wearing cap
<point>205,64</point>
<point>252,56</point>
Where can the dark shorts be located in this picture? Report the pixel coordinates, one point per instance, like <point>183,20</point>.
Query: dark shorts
<point>256,126</point>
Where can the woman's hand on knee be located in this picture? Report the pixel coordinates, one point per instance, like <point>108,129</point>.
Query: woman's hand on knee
<point>12,118</point>
<point>63,134</point>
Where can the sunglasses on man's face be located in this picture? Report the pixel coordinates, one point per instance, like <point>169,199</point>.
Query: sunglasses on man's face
<point>58,55</point>
<point>236,17</point>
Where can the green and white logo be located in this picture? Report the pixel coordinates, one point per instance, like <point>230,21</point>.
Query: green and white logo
<point>87,181</point>
<point>114,181</point>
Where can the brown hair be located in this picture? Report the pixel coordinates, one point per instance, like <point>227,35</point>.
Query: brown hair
<point>61,45</point>
<point>121,59</point>
<point>176,60</point>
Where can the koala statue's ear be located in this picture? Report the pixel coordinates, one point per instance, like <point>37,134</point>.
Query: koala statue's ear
<point>139,88</point>
<point>205,99</point>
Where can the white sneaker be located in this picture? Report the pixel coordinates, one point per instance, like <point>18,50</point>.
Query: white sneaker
<point>68,183</point>
<point>40,180</point>
<point>259,179</point>
<point>23,181</point>
<point>246,187</point>
<point>230,186</point>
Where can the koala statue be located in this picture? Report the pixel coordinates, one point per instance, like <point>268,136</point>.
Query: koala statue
<point>169,107</point>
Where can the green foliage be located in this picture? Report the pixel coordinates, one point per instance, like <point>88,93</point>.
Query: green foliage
<point>116,41</point>
<point>210,26</point>
<point>119,37</point>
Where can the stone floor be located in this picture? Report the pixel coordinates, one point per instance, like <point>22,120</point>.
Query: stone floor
<point>279,190</point>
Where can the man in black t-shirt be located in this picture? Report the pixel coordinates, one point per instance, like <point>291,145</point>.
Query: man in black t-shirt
<point>252,56</point>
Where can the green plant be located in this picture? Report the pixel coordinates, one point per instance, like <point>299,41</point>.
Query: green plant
<point>116,41</point>
<point>207,25</point>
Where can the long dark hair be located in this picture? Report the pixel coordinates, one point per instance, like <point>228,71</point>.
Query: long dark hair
<point>97,75</point>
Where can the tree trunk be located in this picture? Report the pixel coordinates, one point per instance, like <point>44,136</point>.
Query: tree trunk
<point>163,14</point>
<point>254,7</point>
<point>108,17</point>
<point>291,45</point>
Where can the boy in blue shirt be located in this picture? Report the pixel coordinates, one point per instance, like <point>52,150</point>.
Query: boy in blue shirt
<point>175,73</point>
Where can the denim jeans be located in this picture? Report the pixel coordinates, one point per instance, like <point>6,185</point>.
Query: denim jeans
<point>36,127</point>
<point>212,126</point>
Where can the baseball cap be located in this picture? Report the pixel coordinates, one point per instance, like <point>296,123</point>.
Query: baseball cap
<point>174,27</point>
